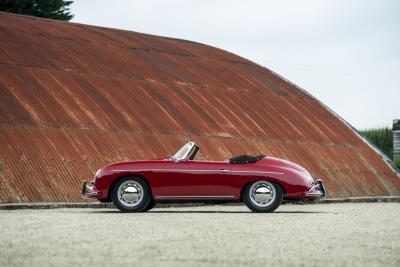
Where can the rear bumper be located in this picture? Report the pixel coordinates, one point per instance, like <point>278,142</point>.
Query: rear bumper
<point>88,190</point>
<point>317,191</point>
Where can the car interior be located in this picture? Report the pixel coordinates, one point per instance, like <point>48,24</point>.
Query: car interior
<point>191,149</point>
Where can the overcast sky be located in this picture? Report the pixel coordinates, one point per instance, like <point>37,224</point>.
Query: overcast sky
<point>344,52</point>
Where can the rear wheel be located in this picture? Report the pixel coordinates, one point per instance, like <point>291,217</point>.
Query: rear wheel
<point>262,196</point>
<point>131,194</point>
<point>150,206</point>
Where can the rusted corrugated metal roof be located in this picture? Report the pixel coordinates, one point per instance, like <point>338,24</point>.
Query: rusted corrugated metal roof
<point>76,97</point>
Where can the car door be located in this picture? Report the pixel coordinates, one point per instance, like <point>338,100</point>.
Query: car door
<point>190,179</point>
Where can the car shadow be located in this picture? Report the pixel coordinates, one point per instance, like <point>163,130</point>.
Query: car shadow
<point>208,212</point>
<point>222,211</point>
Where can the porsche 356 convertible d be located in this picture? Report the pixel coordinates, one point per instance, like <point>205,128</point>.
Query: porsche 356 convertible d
<point>261,182</point>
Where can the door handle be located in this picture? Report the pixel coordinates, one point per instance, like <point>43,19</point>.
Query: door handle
<point>224,170</point>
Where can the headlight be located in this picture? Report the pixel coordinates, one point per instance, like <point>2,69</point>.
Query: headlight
<point>96,174</point>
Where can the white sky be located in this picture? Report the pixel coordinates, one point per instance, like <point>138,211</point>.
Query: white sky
<point>344,52</point>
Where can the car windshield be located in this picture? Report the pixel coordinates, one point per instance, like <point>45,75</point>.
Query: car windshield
<point>183,152</point>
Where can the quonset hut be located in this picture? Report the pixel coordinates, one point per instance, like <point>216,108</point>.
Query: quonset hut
<point>76,97</point>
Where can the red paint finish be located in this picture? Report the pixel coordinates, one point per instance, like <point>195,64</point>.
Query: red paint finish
<point>211,180</point>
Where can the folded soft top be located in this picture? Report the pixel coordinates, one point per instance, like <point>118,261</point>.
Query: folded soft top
<point>245,159</point>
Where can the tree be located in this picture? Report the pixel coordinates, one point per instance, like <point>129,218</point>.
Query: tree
<point>382,138</point>
<point>53,9</point>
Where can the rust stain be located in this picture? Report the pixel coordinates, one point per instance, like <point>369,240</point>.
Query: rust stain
<point>76,97</point>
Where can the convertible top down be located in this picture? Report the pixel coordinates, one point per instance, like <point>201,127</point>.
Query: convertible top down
<point>261,182</point>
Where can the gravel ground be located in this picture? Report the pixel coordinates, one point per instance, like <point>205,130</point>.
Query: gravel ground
<point>348,234</point>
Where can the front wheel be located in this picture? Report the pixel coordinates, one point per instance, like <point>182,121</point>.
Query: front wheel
<point>262,196</point>
<point>150,206</point>
<point>131,194</point>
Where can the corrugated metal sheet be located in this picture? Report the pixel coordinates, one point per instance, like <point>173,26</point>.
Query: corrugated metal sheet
<point>76,97</point>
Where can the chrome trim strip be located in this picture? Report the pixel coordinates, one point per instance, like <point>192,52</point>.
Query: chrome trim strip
<point>314,194</point>
<point>90,194</point>
<point>316,186</point>
<point>139,170</point>
<point>186,170</point>
<point>260,172</point>
<point>196,197</point>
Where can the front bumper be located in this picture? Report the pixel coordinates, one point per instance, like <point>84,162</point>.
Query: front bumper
<point>317,191</point>
<point>88,190</point>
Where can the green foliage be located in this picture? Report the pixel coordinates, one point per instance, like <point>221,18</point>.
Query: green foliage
<point>53,9</point>
<point>382,138</point>
<point>397,163</point>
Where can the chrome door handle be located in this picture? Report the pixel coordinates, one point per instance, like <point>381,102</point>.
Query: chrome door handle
<point>223,170</point>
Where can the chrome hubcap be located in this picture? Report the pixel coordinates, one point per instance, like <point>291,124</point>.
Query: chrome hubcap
<point>262,193</point>
<point>130,193</point>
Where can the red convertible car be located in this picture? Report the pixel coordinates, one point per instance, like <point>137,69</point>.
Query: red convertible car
<point>260,182</point>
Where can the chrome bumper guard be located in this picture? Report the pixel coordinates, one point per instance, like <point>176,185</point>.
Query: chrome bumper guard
<point>88,190</point>
<point>317,190</point>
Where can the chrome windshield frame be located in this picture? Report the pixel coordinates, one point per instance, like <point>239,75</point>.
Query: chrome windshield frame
<point>183,152</point>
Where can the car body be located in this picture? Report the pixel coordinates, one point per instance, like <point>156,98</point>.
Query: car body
<point>181,178</point>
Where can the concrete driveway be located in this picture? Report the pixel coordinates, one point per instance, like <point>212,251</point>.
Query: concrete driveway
<point>348,234</point>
